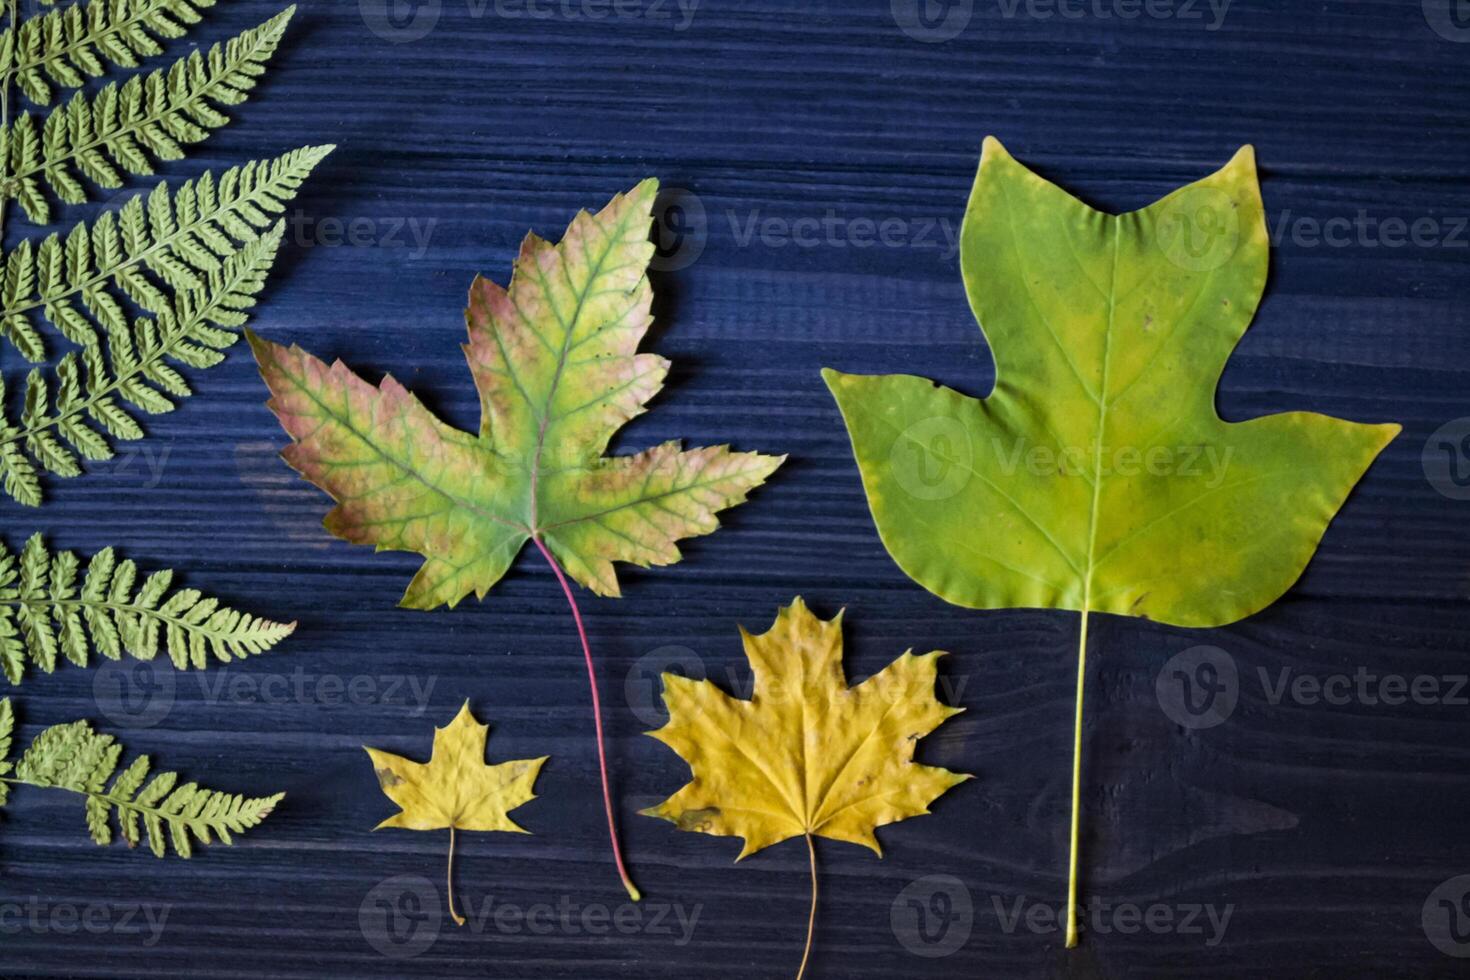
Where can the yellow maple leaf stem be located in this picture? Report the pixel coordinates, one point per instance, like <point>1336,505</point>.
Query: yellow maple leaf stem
<point>811,922</point>
<point>612,825</point>
<point>449,881</point>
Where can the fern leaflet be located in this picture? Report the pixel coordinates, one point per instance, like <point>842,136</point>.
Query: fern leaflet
<point>180,238</point>
<point>66,47</point>
<point>121,126</point>
<point>45,611</point>
<point>74,757</point>
<point>7,727</point>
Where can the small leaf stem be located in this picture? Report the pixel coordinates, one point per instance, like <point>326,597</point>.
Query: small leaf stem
<point>449,881</point>
<point>1076,785</point>
<point>612,827</point>
<point>811,922</point>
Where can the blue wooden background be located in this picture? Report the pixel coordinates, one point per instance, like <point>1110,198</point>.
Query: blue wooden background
<point>1322,830</point>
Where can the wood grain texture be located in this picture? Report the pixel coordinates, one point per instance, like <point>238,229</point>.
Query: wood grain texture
<point>1325,828</point>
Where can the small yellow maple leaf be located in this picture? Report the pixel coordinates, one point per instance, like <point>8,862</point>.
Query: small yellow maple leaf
<point>806,755</point>
<point>455,788</point>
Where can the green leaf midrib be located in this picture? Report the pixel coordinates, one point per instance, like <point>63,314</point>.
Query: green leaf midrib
<point>544,422</point>
<point>1102,421</point>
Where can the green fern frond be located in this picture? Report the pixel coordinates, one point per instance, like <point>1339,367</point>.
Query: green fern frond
<point>107,391</point>
<point>120,127</point>
<point>44,611</point>
<point>66,47</point>
<point>74,757</point>
<point>179,238</point>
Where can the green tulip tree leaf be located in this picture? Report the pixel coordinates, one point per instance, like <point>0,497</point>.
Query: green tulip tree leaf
<point>555,361</point>
<point>1097,475</point>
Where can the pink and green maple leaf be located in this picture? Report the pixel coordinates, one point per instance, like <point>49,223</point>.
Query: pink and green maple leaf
<point>555,361</point>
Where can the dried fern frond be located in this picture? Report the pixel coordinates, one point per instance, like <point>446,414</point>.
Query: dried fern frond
<point>74,757</point>
<point>120,128</point>
<point>65,47</point>
<point>44,610</point>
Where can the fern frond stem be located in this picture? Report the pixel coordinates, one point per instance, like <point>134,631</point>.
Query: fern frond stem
<point>138,125</point>
<point>1076,785</point>
<point>114,800</point>
<point>811,922</point>
<point>174,331</point>
<point>118,607</point>
<point>449,880</point>
<point>612,826</point>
